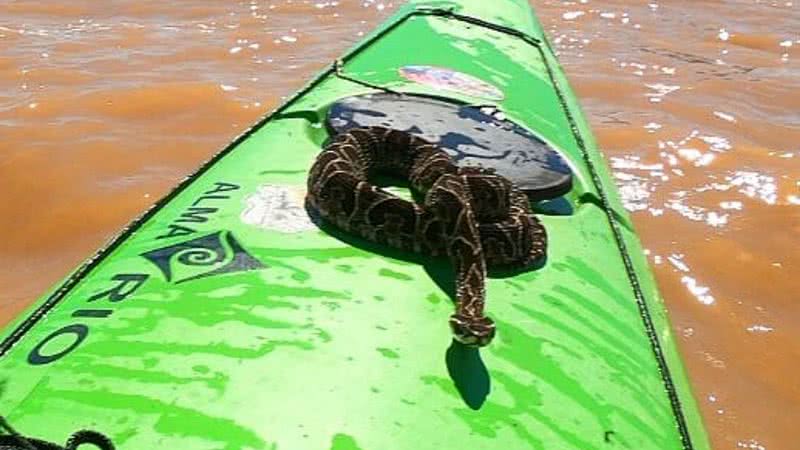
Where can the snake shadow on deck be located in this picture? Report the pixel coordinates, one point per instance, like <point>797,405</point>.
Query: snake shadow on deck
<point>464,363</point>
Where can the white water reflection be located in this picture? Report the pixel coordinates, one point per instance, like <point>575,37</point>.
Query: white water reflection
<point>755,185</point>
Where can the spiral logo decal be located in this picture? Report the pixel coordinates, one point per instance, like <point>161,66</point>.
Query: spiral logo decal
<point>206,256</point>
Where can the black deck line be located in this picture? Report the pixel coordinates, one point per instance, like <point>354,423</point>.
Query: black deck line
<point>633,277</point>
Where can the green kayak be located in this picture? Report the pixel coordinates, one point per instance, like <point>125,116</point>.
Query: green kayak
<point>226,317</point>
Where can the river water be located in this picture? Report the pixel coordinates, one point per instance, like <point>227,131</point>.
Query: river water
<point>104,106</point>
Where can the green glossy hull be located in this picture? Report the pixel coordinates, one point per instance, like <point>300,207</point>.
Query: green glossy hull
<point>284,337</point>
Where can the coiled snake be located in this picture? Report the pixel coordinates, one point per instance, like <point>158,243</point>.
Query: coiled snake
<point>472,215</point>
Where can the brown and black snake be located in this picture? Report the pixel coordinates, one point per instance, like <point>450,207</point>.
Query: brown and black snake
<point>474,216</point>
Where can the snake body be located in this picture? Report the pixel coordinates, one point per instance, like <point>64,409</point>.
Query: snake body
<point>477,218</point>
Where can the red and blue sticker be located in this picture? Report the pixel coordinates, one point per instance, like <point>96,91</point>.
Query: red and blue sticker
<point>451,80</point>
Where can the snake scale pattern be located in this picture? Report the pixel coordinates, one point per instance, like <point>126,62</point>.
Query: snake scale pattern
<point>477,218</point>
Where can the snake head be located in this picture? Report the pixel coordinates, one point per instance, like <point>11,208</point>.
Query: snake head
<point>472,331</point>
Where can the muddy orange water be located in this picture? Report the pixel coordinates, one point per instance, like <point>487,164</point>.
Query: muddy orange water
<point>105,105</point>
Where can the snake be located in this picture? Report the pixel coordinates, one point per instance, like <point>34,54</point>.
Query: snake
<point>474,216</point>
<point>11,439</point>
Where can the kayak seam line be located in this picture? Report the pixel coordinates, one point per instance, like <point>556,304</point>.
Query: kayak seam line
<point>633,278</point>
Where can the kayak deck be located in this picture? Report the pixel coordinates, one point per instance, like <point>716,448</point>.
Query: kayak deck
<point>225,318</point>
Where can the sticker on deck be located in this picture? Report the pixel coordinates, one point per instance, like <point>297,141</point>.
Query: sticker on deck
<point>451,80</point>
<point>278,208</point>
